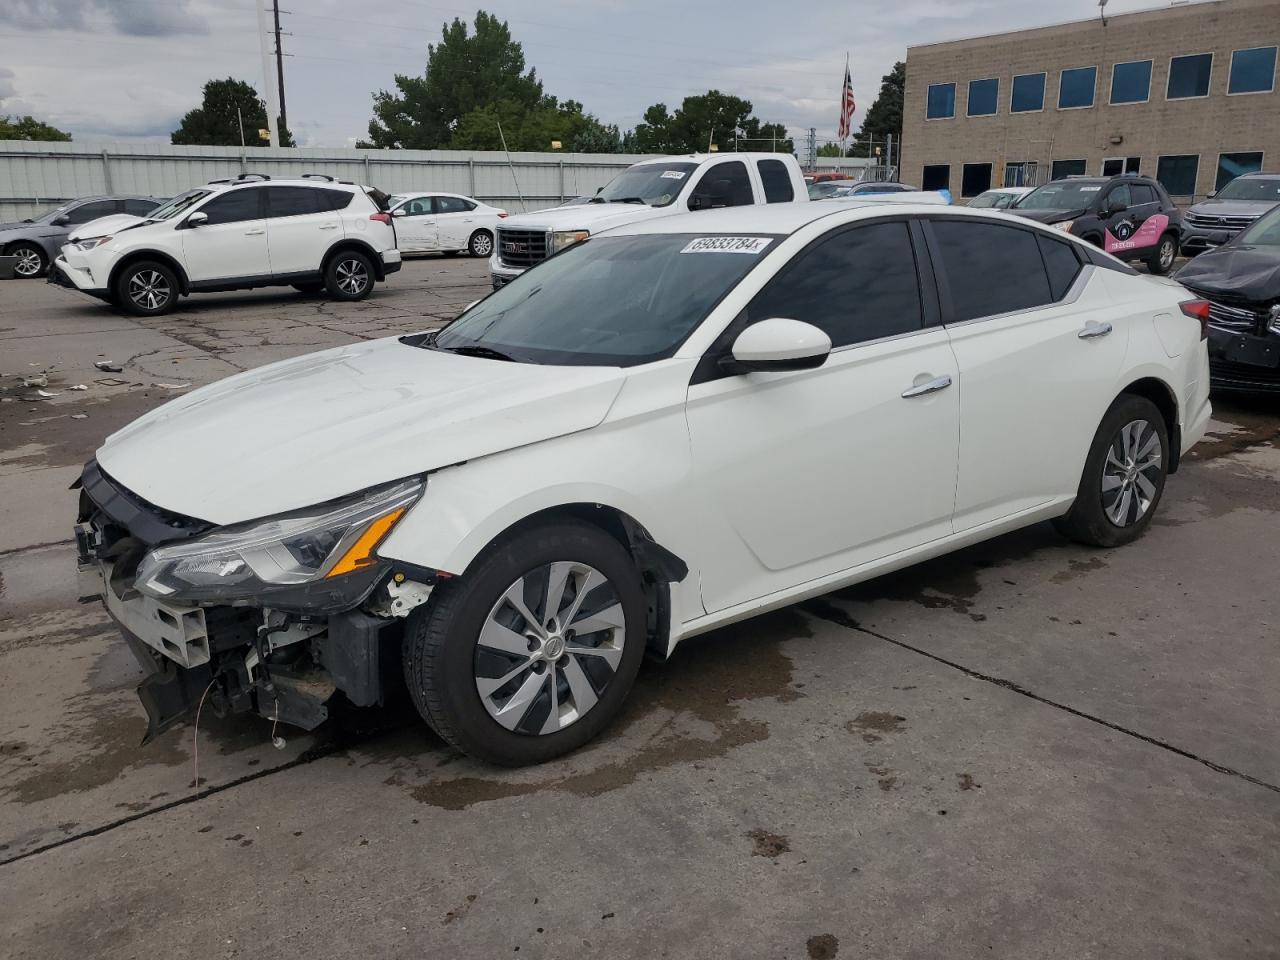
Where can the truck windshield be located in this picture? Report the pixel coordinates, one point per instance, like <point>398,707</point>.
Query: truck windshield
<point>656,184</point>
<point>1252,188</point>
<point>1063,195</point>
<point>608,301</point>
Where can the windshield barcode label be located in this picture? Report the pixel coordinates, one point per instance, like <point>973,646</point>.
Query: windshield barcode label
<point>751,245</point>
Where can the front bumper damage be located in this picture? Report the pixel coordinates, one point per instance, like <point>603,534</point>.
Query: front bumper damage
<point>285,666</point>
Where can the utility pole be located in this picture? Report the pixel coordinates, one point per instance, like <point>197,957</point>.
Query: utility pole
<point>268,88</point>
<point>284,114</point>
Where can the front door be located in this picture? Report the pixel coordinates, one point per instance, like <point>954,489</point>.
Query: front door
<point>416,231</point>
<point>807,473</point>
<point>232,243</point>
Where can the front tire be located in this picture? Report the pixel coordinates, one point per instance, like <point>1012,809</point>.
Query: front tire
<point>31,262</point>
<point>531,653</point>
<point>481,244</point>
<point>147,288</point>
<point>349,276</point>
<point>1124,476</point>
<point>1161,261</point>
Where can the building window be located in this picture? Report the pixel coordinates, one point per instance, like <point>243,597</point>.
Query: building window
<point>942,101</point>
<point>1189,76</point>
<point>1076,88</point>
<point>975,178</point>
<point>1028,93</point>
<point>1020,173</point>
<point>937,176</point>
<point>1253,71</point>
<point>1178,174</point>
<point>983,95</point>
<point>1131,82</point>
<point>1114,166</point>
<point>1066,168</point>
<point>1232,165</point>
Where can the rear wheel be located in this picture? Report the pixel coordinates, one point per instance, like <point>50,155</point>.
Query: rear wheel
<point>31,261</point>
<point>481,243</point>
<point>1124,476</point>
<point>1161,259</point>
<point>532,652</point>
<point>349,276</point>
<point>146,289</point>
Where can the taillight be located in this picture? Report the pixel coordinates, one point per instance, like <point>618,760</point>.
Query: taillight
<point>381,217</point>
<point>502,214</point>
<point>1198,310</point>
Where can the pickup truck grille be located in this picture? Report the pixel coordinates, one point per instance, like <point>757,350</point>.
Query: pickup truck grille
<point>521,248</point>
<point>1207,222</point>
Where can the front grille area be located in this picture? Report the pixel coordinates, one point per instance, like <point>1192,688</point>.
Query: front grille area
<point>1230,224</point>
<point>1232,318</point>
<point>521,248</point>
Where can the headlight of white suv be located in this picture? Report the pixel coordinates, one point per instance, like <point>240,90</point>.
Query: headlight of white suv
<point>88,243</point>
<point>320,557</point>
<point>567,238</point>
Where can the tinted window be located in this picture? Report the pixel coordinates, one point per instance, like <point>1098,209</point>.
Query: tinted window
<point>858,285</point>
<point>1066,168</point>
<point>93,210</point>
<point>1115,166</point>
<point>453,205</point>
<point>332,199</point>
<point>983,95</point>
<point>941,101</point>
<point>1189,76</point>
<point>420,207</point>
<point>1060,262</point>
<point>936,176</point>
<point>990,268</point>
<point>1121,195</point>
<point>777,181</point>
<point>1253,71</point>
<point>1131,82</point>
<point>292,201</point>
<point>975,179</point>
<point>1178,174</point>
<point>139,208</point>
<point>1075,89</point>
<point>1232,165</point>
<point>725,185</point>
<point>1028,93</point>
<point>233,206</point>
<point>1142,193</point>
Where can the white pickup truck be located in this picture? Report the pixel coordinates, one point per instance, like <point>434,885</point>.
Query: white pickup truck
<point>660,187</point>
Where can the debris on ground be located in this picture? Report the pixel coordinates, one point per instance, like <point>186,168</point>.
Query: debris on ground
<point>111,382</point>
<point>79,416</point>
<point>79,386</point>
<point>37,380</point>
<point>172,386</point>
<point>45,394</point>
<point>108,366</point>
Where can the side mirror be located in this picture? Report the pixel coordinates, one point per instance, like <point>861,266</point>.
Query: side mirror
<point>706,201</point>
<point>398,212</point>
<point>779,344</point>
<point>61,221</point>
<point>197,219</point>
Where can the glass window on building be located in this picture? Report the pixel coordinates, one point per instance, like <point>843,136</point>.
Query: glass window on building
<point>975,178</point>
<point>936,176</point>
<point>942,101</point>
<point>1253,71</point>
<point>1231,165</point>
<point>1066,168</point>
<point>1114,166</point>
<point>1020,173</point>
<point>1028,93</point>
<point>983,96</point>
<point>1131,82</point>
<point>1178,174</point>
<point>1076,88</point>
<point>1189,76</point>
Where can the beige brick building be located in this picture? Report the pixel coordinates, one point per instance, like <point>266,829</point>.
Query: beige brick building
<point>1185,92</point>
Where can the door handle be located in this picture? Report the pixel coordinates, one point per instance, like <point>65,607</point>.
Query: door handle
<point>255,233</point>
<point>933,386</point>
<point>1092,331</point>
<point>328,226</point>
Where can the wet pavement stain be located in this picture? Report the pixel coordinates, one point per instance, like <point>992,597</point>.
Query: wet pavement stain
<point>871,724</point>
<point>766,844</point>
<point>887,776</point>
<point>824,946</point>
<point>1079,568</point>
<point>967,782</point>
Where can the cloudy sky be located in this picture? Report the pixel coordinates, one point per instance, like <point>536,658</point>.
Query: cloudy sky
<point>116,69</point>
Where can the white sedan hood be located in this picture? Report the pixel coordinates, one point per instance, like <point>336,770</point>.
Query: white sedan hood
<point>328,424</point>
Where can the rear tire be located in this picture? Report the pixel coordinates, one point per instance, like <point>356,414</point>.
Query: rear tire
<point>147,288</point>
<point>1124,476</point>
<point>31,263</point>
<point>1161,260</point>
<point>349,276</point>
<point>478,668</point>
<point>481,244</point>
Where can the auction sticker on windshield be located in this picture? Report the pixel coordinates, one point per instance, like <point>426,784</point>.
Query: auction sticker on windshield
<point>751,245</point>
<point>672,175</point>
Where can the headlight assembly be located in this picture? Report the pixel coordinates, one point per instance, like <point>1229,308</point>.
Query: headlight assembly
<point>567,238</point>
<point>288,561</point>
<point>1064,225</point>
<point>90,242</point>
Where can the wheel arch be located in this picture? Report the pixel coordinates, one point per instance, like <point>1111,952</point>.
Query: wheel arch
<point>1166,401</point>
<point>184,284</point>
<point>354,243</point>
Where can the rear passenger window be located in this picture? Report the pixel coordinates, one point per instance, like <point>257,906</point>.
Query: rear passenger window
<point>990,268</point>
<point>333,199</point>
<point>1142,193</point>
<point>453,205</point>
<point>292,201</point>
<point>1060,263</point>
<point>777,181</point>
<point>858,285</point>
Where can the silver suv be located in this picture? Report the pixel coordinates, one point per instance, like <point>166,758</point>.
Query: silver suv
<point>1213,222</point>
<point>35,241</point>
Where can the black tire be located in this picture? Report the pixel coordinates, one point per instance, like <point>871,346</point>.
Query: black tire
<point>32,261</point>
<point>481,244</point>
<point>443,658</point>
<point>308,289</point>
<point>349,275</point>
<point>1090,519</point>
<point>146,288</point>
<point>1162,258</point>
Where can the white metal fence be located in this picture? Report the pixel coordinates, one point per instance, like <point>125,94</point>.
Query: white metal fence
<point>34,176</point>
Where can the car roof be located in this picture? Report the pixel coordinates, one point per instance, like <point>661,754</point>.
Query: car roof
<point>433,193</point>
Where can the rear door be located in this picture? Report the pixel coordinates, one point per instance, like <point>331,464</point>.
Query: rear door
<point>232,243</point>
<point>416,231</point>
<point>302,224</point>
<point>454,222</point>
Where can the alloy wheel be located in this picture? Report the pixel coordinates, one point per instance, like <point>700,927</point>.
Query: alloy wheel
<point>549,648</point>
<point>149,289</point>
<point>1131,472</point>
<point>482,245</point>
<point>352,276</point>
<point>28,263</point>
<point>1166,254</point>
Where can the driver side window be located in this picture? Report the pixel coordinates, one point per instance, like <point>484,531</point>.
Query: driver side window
<point>1119,195</point>
<point>724,185</point>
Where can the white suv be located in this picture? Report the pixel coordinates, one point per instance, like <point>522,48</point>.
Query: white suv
<point>312,233</point>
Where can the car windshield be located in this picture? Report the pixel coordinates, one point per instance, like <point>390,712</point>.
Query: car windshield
<point>1252,188</point>
<point>828,188</point>
<point>991,199</point>
<point>167,211</point>
<point>1062,195</point>
<point>656,184</point>
<point>1265,231</point>
<point>609,301</point>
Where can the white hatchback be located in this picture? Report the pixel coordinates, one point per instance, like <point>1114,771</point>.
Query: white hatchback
<point>445,222</point>
<point>665,428</point>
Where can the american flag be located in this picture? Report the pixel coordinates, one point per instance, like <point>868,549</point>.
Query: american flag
<point>847,103</point>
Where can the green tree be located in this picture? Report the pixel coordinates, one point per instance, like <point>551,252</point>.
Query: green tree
<point>535,129</point>
<point>216,123</point>
<point>885,115</point>
<point>465,72</point>
<point>29,128</point>
<point>829,150</point>
<point>711,117</point>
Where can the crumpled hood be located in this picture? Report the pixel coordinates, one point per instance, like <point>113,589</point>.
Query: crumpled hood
<point>586,216</point>
<point>328,424</point>
<point>103,225</point>
<point>1047,216</point>
<point>1236,269</point>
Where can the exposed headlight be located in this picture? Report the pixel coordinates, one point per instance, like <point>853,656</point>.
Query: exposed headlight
<point>90,242</point>
<point>298,555</point>
<point>567,238</point>
<point>1064,225</point>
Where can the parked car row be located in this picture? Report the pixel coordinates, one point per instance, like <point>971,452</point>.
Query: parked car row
<point>35,242</point>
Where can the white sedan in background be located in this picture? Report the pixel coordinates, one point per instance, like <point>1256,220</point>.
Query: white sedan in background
<point>444,223</point>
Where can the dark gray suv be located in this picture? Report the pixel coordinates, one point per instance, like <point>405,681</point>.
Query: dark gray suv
<point>35,242</point>
<point>1213,222</point>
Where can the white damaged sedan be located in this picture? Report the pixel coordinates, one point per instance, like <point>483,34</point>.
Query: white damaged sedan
<point>664,428</point>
